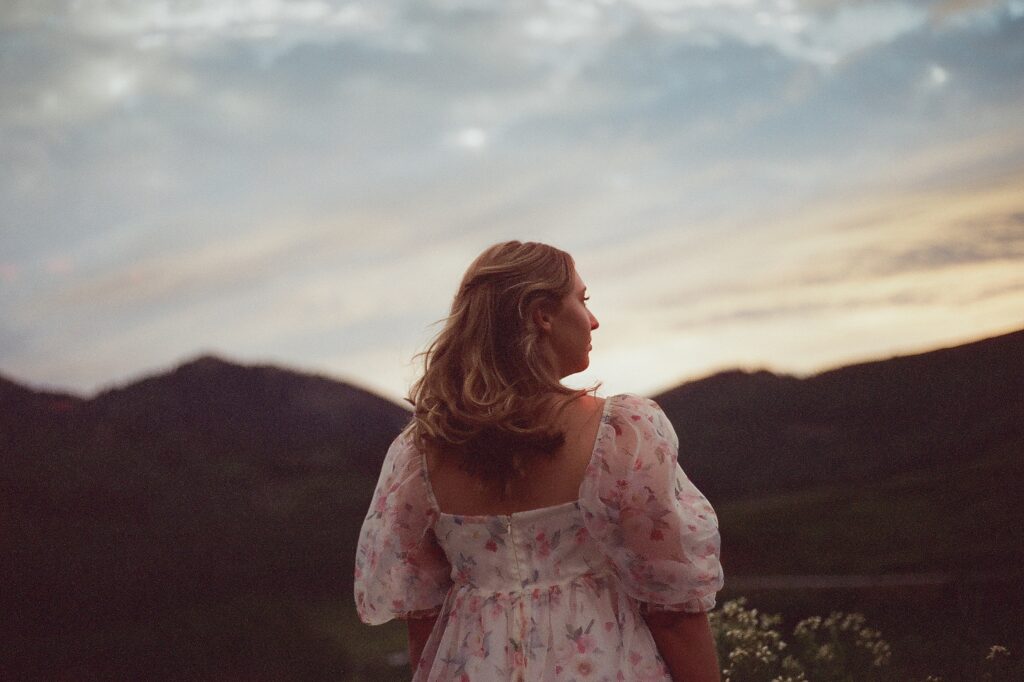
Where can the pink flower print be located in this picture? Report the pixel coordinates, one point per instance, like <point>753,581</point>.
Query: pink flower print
<point>638,571</point>
<point>608,625</point>
<point>584,643</point>
<point>660,453</point>
<point>581,535</point>
<point>584,667</point>
<point>580,637</point>
<point>543,548</point>
<point>599,523</point>
<point>463,570</point>
<point>634,658</point>
<point>496,535</point>
<point>659,527</point>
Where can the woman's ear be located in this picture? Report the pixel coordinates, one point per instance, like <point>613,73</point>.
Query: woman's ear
<point>542,318</point>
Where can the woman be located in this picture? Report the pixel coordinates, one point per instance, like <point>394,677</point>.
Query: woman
<point>528,531</point>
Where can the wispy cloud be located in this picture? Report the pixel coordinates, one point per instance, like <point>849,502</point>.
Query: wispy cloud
<point>306,180</point>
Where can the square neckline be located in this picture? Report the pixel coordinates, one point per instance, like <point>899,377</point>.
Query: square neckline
<point>605,412</point>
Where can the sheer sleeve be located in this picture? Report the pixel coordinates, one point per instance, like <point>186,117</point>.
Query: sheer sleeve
<point>400,571</point>
<point>659,533</point>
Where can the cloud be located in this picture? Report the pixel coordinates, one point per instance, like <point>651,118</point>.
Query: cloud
<point>973,241</point>
<point>290,179</point>
<point>941,247</point>
<point>200,26</point>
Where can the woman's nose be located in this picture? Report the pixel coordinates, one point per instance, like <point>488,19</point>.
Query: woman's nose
<point>594,324</point>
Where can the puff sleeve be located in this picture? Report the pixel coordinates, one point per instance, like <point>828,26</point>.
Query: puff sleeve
<point>658,532</point>
<point>400,570</point>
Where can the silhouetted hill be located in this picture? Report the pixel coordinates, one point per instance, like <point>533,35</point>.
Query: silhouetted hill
<point>210,483</point>
<point>285,420</point>
<point>750,434</point>
<point>25,411</point>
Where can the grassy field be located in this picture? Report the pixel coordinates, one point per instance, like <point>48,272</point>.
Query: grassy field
<point>244,639</point>
<point>929,629</point>
<point>254,639</point>
<point>967,522</point>
<point>290,615</point>
<point>961,519</point>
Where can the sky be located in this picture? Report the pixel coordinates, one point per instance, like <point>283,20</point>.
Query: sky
<point>791,185</point>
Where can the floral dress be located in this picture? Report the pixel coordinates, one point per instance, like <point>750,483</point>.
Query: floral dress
<point>555,593</point>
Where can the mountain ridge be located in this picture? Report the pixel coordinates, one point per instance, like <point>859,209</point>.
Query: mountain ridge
<point>214,358</point>
<point>850,423</point>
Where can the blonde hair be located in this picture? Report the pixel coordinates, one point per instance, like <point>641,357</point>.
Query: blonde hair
<point>487,392</point>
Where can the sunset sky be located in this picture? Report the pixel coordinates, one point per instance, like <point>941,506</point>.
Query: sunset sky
<point>785,184</point>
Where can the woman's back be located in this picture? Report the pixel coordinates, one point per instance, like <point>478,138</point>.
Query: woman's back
<point>552,480</point>
<point>557,591</point>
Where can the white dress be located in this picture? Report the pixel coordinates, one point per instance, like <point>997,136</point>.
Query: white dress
<point>555,593</point>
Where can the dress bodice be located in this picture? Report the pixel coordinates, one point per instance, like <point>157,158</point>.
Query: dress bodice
<point>518,551</point>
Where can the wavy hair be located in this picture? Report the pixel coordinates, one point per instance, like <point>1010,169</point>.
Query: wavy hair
<point>487,393</point>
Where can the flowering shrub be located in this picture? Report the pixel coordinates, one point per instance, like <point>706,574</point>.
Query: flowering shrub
<point>750,648</point>
<point>996,664</point>
<point>838,648</point>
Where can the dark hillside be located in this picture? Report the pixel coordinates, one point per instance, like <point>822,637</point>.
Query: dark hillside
<point>750,434</point>
<point>279,418</point>
<point>200,487</point>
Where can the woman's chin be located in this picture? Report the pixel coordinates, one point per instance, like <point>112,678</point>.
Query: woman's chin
<point>580,366</point>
